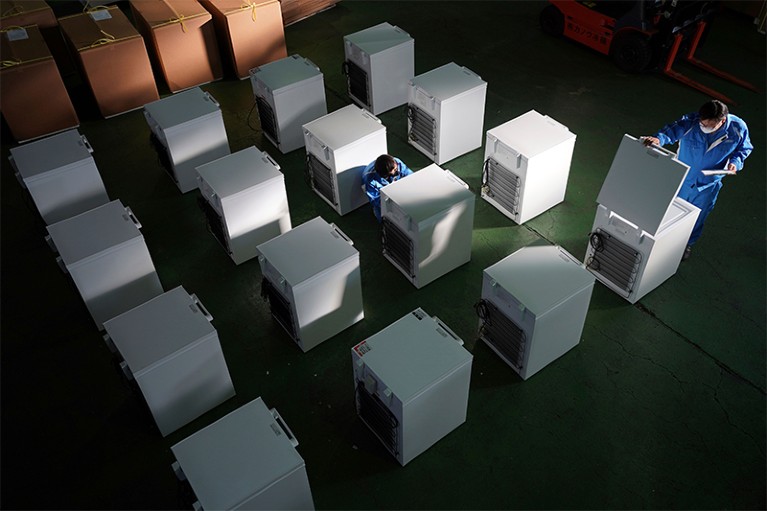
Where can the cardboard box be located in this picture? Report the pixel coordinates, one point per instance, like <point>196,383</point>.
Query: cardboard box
<point>296,10</point>
<point>21,13</point>
<point>251,31</point>
<point>33,98</point>
<point>183,39</point>
<point>113,59</point>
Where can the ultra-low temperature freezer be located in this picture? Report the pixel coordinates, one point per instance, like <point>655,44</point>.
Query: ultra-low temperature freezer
<point>60,175</point>
<point>245,460</point>
<point>380,61</point>
<point>106,255</point>
<point>427,219</point>
<point>533,306</point>
<point>289,93</point>
<point>641,227</point>
<point>411,383</point>
<point>339,146</point>
<point>244,201</point>
<point>527,163</point>
<point>187,131</point>
<point>446,112</point>
<point>311,278</point>
<point>173,353</point>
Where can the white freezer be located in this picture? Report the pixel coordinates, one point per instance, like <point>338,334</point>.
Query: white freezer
<point>106,256</point>
<point>527,163</point>
<point>311,278</point>
<point>641,227</point>
<point>427,220</point>
<point>380,61</point>
<point>289,93</point>
<point>245,460</point>
<point>411,383</point>
<point>533,307</point>
<point>170,348</point>
<point>446,112</point>
<point>190,131</point>
<point>339,146</point>
<point>60,174</point>
<point>244,201</point>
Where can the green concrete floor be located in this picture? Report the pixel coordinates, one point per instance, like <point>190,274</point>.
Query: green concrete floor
<point>661,405</point>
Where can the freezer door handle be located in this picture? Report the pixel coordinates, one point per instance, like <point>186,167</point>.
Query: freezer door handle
<point>132,217</point>
<point>469,72</point>
<point>447,330</point>
<point>341,233</point>
<point>269,159</point>
<point>371,116</point>
<point>49,241</point>
<point>202,308</point>
<point>556,123</point>
<point>61,264</point>
<point>397,29</point>
<point>655,150</point>
<point>457,179</point>
<point>283,425</point>
<point>110,343</point>
<point>212,99</point>
<point>309,62</point>
<point>126,370</point>
<point>86,144</point>
<point>178,471</point>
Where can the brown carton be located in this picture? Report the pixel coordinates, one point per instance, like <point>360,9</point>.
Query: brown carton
<point>33,99</point>
<point>252,31</point>
<point>113,59</point>
<point>183,39</point>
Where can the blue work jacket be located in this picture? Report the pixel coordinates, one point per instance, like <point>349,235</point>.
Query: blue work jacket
<point>373,183</point>
<point>707,151</point>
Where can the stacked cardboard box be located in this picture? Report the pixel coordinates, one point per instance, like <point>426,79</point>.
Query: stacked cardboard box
<point>295,10</point>
<point>113,58</point>
<point>183,39</point>
<point>33,98</point>
<point>20,13</point>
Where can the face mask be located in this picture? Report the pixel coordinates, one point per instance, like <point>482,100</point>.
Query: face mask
<point>709,130</point>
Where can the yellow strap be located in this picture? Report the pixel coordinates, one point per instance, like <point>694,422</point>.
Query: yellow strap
<point>15,9</point>
<point>12,27</point>
<point>10,63</point>
<point>94,9</point>
<point>251,6</point>
<point>179,17</point>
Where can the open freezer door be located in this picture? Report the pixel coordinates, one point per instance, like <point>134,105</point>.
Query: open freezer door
<point>642,183</point>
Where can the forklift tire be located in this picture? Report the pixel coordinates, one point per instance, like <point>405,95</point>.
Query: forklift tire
<point>552,21</point>
<point>631,52</point>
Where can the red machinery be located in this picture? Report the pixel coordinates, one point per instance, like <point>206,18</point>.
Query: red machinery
<point>640,34</point>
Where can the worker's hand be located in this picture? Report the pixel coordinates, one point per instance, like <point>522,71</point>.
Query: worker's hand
<point>650,141</point>
<point>731,166</point>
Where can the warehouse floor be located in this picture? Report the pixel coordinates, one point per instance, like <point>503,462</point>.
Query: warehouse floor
<point>661,405</point>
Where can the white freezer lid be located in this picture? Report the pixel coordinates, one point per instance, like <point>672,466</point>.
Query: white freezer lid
<point>306,250</point>
<point>531,133</point>
<point>50,153</point>
<point>641,183</point>
<point>181,107</point>
<point>378,38</point>
<point>237,456</point>
<point>236,172</point>
<point>158,328</point>
<point>447,81</point>
<point>540,276</point>
<point>345,126</point>
<point>286,71</point>
<point>92,232</point>
<point>426,192</point>
<point>411,354</point>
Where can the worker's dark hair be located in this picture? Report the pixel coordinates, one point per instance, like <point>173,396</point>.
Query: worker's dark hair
<point>713,109</point>
<point>385,164</point>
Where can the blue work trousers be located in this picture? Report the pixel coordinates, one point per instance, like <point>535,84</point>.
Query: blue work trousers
<point>705,200</point>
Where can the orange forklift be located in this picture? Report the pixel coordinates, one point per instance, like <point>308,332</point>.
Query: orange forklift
<point>640,34</point>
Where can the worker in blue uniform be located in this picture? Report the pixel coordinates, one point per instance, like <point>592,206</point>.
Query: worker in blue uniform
<point>710,139</point>
<point>382,171</point>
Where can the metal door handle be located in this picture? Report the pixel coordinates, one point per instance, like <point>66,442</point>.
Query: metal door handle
<point>341,233</point>
<point>268,158</point>
<point>281,423</point>
<point>212,99</point>
<point>132,217</point>
<point>86,144</point>
<point>202,308</point>
<point>447,330</point>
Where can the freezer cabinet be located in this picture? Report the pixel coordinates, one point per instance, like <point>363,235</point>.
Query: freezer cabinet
<point>533,306</point>
<point>106,256</point>
<point>170,349</point>
<point>187,130</point>
<point>245,460</point>
<point>244,201</point>
<point>312,281</point>
<point>339,146</point>
<point>289,93</point>
<point>60,175</point>
<point>411,383</point>
<point>527,164</point>
<point>427,219</point>
<point>446,112</point>
<point>379,63</point>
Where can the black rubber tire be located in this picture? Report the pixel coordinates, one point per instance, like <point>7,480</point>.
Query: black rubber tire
<point>552,21</point>
<point>631,52</point>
